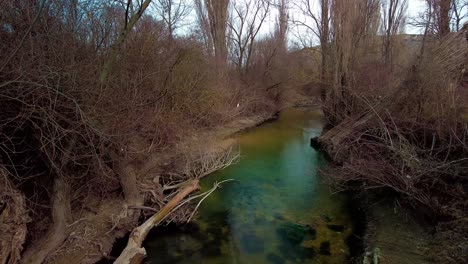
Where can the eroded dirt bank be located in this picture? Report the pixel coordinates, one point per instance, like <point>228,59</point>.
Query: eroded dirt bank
<point>103,221</point>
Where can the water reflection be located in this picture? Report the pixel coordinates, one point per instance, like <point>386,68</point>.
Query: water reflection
<point>277,210</point>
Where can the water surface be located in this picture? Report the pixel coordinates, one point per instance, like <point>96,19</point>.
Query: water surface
<point>278,210</point>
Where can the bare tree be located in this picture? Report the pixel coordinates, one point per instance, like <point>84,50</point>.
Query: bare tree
<point>204,25</point>
<point>213,18</point>
<point>444,17</point>
<point>350,21</point>
<point>459,11</point>
<point>172,13</point>
<point>245,23</point>
<point>217,13</point>
<point>131,18</point>
<point>318,23</point>
<point>436,18</point>
<point>282,25</point>
<point>392,19</point>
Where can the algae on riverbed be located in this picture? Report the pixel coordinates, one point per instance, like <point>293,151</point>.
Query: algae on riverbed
<point>276,211</point>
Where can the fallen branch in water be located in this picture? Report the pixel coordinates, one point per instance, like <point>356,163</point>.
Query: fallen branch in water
<point>205,195</point>
<point>133,252</point>
<point>204,165</point>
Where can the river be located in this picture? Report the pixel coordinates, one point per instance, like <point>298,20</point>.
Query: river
<point>277,210</point>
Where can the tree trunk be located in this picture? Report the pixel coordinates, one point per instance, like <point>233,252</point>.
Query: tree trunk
<point>58,232</point>
<point>128,181</point>
<point>217,15</point>
<point>324,36</point>
<point>444,26</point>
<point>61,213</point>
<point>109,65</point>
<point>133,252</point>
<point>332,140</point>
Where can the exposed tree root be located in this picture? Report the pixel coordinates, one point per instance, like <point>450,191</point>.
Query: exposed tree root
<point>133,252</point>
<point>13,219</point>
<point>128,181</point>
<point>58,232</point>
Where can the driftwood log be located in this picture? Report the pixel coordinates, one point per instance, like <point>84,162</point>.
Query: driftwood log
<point>134,253</point>
<point>333,139</point>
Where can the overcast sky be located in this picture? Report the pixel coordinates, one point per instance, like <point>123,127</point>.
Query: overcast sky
<point>414,8</point>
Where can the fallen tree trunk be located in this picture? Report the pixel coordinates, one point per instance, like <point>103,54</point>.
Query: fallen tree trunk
<point>134,253</point>
<point>332,140</point>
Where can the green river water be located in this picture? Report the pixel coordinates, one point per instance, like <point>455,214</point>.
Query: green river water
<point>278,210</point>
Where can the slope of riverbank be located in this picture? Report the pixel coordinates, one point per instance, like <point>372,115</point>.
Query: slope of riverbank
<point>101,222</point>
<point>394,235</point>
<point>277,209</point>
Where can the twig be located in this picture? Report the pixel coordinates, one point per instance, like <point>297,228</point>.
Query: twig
<point>13,54</point>
<point>215,186</point>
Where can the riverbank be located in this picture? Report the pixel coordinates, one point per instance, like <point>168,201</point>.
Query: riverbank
<point>394,234</point>
<point>102,222</point>
<point>277,209</point>
<point>413,194</point>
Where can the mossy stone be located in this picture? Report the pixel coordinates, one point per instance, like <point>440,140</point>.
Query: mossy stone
<point>292,233</point>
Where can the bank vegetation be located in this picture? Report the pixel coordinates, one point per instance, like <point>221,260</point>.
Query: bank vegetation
<point>396,109</point>
<point>101,102</point>
<point>98,100</point>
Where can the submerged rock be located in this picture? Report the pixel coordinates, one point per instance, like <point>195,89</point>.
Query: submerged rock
<point>260,221</point>
<point>218,217</point>
<point>311,232</point>
<point>314,142</point>
<point>325,248</point>
<point>211,249</point>
<point>326,218</point>
<point>297,253</point>
<point>292,233</point>
<point>216,233</point>
<point>336,228</point>
<point>278,216</point>
<point>275,259</point>
<point>307,252</point>
<point>252,244</point>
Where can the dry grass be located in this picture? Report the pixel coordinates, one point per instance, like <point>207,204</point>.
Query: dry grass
<point>101,139</point>
<point>415,143</point>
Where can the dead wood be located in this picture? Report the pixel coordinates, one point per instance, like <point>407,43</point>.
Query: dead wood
<point>128,181</point>
<point>58,232</point>
<point>332,140</point>
<point>133,252</point>
<point>61,214</point>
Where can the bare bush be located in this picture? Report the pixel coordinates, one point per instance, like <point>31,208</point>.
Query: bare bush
<point>13,220</point>
<point>415,143</point>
